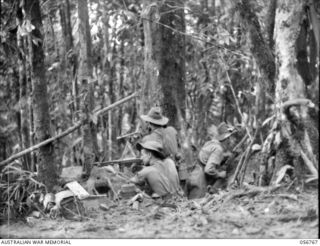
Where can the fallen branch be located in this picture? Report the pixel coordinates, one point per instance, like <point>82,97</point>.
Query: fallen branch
<point>253,191</point>
<point>288,218</point>
<point>66,132</point>
<point>285,196</point>
<point>116,104</point>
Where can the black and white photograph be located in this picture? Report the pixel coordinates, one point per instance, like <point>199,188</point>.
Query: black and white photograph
<point>159,119</point>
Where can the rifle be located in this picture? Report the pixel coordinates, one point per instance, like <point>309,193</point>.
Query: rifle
<point>126,162</point>
<point>128,135</point>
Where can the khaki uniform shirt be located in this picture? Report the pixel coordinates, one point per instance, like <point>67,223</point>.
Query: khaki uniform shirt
<point>168,137</point>
<point>161,176</point>
<point>211,155</point>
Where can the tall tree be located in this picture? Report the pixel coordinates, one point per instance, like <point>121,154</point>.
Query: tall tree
<point>164,27</point>
<point>47,171</point>
<point>298,132</point>
<point>262,54</point>
<point>89,136</point>
<point>65,20</point>
<point>24,125</point>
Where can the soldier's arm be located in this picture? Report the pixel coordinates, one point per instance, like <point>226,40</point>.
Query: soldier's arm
<point>140,177</point>
<point>213,166</point>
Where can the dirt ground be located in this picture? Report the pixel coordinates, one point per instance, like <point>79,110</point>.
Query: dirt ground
<point>233,214</point>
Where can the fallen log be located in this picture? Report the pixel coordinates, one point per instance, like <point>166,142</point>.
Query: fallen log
<point>66,132</point>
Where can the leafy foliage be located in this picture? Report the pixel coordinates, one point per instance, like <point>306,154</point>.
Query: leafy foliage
<point>17,187</point>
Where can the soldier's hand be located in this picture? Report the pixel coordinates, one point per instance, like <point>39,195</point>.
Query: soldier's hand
<point>222,174</point>
<point>227,154</point>
<point>178,157</point>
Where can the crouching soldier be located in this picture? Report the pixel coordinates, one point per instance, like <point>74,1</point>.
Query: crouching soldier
<point>209,171</point>
<point>214,153</point>
<point>159,173</point>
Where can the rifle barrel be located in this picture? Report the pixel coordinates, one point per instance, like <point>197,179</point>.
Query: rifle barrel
<point>121,162</point>
<point>127,135</point>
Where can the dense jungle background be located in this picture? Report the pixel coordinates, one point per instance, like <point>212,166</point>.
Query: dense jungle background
<point>76,75</point>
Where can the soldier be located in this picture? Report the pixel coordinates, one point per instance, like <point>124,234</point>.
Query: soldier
<point>159,173</point>
<point>157,130</point>
<point>214,153</point>
<point>209,168</point>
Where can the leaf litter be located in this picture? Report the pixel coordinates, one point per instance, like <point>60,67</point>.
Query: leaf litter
<point>255,213</point>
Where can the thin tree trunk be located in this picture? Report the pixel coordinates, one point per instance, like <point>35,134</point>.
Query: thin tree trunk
<point>113,75</point>
<point>121,85</point>
<point>89,136</point>
<point>28,43</point>
<point>110,135</point>
<point>53,36</point>
<point>271,14</point>
<point>24,127</point>
<point>47,172</point>
<point>106,77</point>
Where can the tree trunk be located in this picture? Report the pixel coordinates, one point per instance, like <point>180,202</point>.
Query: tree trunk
<point>271,14</point>
<point>47,172</point>
<point>150,88</point>
<point>24,126</point>
<point>64,10</point>
<point>121,85</point>
<point>297,130</point>
<point>165,58</point>
<point>89,136</point>
<point>107,76</point>
<point>28,62</point>
<point>259,48</point>
<point>66,55</point>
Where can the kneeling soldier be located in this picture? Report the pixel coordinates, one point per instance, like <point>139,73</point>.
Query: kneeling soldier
<point>159,173</point>
<point>213,154</point>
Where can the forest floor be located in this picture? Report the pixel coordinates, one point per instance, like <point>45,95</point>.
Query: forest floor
<point>233,214</point>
